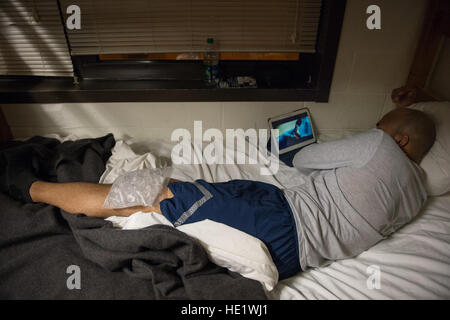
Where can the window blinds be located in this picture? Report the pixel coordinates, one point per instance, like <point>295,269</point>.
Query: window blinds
<point>146,26</point>
<point>32,40</point>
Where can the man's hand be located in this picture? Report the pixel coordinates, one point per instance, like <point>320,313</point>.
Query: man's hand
<point>404,96</point>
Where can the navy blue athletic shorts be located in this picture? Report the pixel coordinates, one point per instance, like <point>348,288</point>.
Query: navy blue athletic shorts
<point>256,208</point>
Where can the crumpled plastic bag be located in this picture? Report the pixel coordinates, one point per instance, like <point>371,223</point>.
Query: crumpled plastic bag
<point>137,188</point>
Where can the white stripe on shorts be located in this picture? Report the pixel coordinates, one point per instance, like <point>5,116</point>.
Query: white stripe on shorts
<point>206,196</point>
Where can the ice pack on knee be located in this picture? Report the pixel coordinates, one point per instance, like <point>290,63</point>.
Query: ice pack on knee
<point>137,188</point>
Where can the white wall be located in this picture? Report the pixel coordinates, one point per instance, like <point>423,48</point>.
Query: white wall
<point>369,65</point>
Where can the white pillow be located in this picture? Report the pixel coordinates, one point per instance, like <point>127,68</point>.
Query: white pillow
<point>436,163</point>
<point>235,250</point>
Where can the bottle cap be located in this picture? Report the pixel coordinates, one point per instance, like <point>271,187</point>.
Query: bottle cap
<point>210,40</point>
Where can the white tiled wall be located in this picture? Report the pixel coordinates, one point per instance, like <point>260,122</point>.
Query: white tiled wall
<point>369,65</point>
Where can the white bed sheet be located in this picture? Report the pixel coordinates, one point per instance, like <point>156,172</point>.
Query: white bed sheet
<point>414,263</point>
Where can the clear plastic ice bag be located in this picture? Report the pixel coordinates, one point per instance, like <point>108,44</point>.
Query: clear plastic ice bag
<point>137,188</point>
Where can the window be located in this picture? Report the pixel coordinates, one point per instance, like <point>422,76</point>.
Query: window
<point>32,40</point>
<point>151,50</point>
<point>149,26</point>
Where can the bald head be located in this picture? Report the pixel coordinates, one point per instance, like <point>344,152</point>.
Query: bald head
<point>412,130</point>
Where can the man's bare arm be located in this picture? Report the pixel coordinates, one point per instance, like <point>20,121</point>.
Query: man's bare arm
<point>406,96</point>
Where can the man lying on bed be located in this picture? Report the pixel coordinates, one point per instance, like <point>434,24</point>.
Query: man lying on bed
<point>357,191</point>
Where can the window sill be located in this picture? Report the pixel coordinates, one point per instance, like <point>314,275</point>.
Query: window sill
<point>62,90</point>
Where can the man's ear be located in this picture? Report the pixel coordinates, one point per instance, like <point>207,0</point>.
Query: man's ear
<point>402,140</point>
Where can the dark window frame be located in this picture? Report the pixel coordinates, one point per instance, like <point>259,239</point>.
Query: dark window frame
<point>180,81</point>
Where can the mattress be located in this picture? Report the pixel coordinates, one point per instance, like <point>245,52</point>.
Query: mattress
<point>413,263</point>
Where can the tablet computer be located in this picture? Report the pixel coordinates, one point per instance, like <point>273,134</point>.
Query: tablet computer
<point>295,130</point>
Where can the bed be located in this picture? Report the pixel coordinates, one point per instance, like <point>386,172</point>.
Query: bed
<point>414,263</point>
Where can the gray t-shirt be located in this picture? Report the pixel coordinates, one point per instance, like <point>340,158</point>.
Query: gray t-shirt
<point>357,191</point>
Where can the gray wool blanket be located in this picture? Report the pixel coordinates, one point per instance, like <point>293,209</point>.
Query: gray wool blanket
<point>46,253</point>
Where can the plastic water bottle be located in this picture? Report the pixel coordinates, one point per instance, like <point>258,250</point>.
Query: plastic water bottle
<point>211,62</point>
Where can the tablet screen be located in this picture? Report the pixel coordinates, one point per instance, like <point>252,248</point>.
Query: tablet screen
<point>293,130</point>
